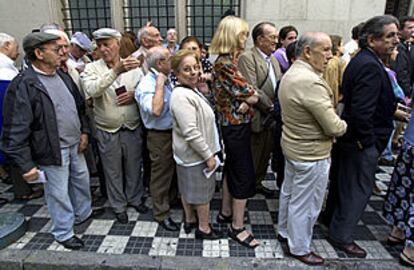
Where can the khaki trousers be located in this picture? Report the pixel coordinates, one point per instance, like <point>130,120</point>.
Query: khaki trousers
<point>162,172</point>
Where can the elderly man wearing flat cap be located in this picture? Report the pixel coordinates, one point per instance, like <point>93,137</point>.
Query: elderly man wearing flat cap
<point>80,44</point>
<point>43,123</point>
<point>111,82</point>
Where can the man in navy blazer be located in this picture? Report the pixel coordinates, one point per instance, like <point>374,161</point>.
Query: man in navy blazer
<point>369,106</point>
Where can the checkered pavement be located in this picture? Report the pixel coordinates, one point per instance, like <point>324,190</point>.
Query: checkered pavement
<point>143,236</point>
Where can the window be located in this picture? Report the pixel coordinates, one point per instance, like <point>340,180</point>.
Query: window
<point>398,8</point>
<point>160,12</point>
<point>203,16</point>
<point>86,16</point>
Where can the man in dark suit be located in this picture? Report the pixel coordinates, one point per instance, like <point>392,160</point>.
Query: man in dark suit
<point>262,70</point>
<point>403,65</point>
<point>369,106</point>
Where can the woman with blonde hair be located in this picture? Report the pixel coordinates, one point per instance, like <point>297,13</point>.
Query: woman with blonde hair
<point>195,144</point>
<point>234,98</point>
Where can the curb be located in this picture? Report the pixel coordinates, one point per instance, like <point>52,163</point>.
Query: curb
<point>76,260</point>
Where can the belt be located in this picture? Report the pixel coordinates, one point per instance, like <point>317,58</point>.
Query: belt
<point>160,130</point>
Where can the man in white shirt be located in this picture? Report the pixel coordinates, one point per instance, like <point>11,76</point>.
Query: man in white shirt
<point>351,47</point>
<point>9,51</point>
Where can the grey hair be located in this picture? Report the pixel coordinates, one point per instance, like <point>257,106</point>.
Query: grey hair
<point>307,39</point>
<point>171,30</point>
<point>59,33</point>
<point>4,38</point>
<point>50,26</point>
<point>375,27</point>
<point>142,32</point>
<point>154,55</point>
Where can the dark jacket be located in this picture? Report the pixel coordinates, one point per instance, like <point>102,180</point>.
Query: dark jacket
<point>369,101</point>
<point>403,66</point>
<point>30,134</point>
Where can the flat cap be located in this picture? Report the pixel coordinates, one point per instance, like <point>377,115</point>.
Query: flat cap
<point>34,40</point>
<point>82,40</point>
<point>103,33</point>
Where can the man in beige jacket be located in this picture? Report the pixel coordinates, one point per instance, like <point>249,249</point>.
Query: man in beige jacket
<point>310,125</point>
<point>111,82</point>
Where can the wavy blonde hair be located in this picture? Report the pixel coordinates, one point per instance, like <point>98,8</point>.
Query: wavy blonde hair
<point>227,37</point>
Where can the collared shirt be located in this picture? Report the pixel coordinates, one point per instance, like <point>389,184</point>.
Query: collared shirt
<point>76,63</point>
<point>271,70</point>
<point>144,95</point>
<point>281,57</point>
<point>142,51</point>
<point>173,50</point>
<point>7,68</point>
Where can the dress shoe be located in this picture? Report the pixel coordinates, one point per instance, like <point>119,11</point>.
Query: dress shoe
<point>268,193</point>
<point>351,249</point>
<point>122,217</point>
<point>281,239</point>
<point>189,226</point>
<point>309,259</point>
<point>72,243</point>
<point>212,235</point>
<point>142,208</point>
<point>169,225</point>
<point>96,212</point>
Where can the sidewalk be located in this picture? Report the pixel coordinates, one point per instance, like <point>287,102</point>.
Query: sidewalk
<point>142,244</point>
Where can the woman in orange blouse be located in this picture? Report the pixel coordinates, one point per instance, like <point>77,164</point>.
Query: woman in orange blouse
<point>234,98</point>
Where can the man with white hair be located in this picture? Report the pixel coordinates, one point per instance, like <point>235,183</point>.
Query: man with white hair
<point>9,51</point>
<point>171,43</point>
<point>148,36</point>
<point>111,82</point>
<point>310,125</point>
<point>153,96</point>
<point>43,123</point>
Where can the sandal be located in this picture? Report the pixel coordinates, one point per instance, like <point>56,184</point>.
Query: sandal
<point>233,233</point>
<point>394,241</point>
<point>34,195</point>
<point>222,219</point>
<point>406,260</point>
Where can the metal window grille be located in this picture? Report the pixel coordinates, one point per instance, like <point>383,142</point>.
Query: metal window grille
<point>86,16</point>
<point>160,12</point>
<point>397,8</point>
<point>203,16</point>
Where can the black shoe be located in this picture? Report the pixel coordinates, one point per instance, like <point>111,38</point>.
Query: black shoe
<point>96,212</point>
<point>386,162</point>
<point>266,192</point>
<point>212,235</point>
<point>189,226</point>
<point>122,217</point>
<point>142,208</point>
<point>169,225</point>
<point>72,243</point>
<point>281,239</point>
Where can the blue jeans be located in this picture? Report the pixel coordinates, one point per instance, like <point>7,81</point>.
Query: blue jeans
<point>67,192</point>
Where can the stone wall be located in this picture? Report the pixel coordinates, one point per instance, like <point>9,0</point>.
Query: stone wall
<point>330,16</point>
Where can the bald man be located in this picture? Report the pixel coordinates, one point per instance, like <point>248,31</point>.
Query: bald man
<point>310,125</point>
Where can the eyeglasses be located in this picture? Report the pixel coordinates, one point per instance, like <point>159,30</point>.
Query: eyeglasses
<point>55,50</point>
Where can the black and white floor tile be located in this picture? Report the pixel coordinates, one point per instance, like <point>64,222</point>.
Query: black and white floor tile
<point>143,236</point>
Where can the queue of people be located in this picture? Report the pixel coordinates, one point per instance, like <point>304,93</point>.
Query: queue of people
<point>171,112</point>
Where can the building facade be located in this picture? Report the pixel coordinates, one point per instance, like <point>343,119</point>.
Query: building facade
<point>192,17</point>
